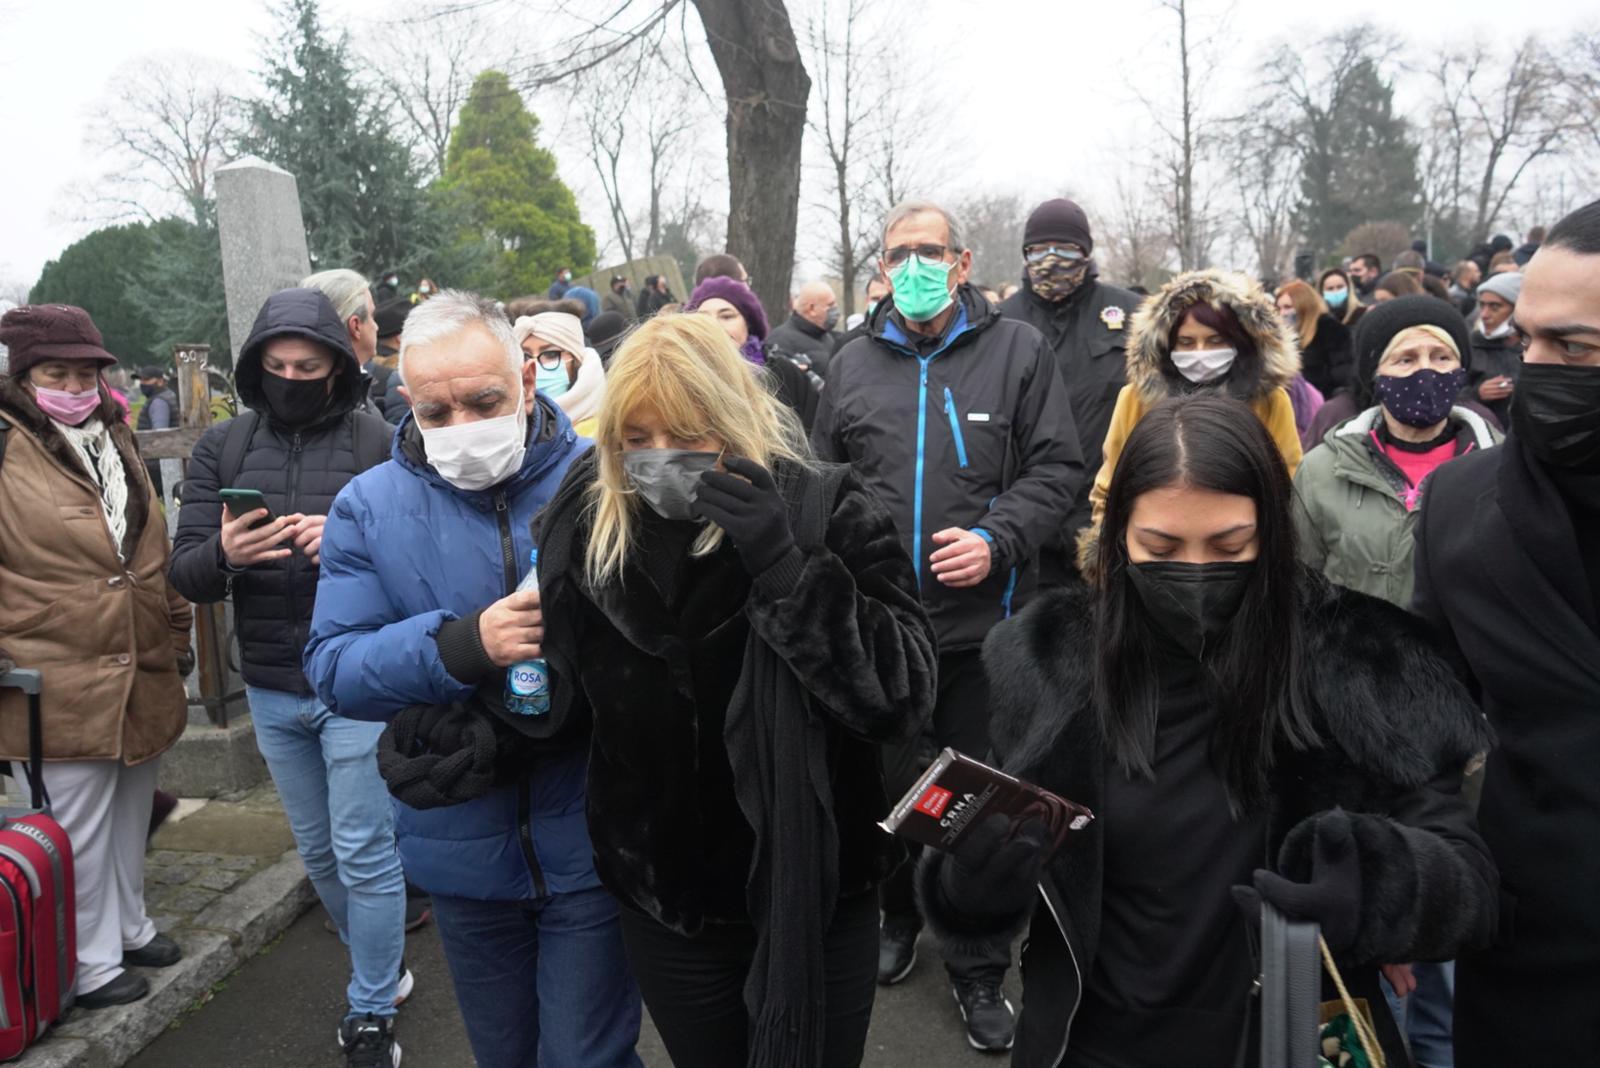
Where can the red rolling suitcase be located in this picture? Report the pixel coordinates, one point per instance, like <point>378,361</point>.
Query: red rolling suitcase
<point>38,925</point>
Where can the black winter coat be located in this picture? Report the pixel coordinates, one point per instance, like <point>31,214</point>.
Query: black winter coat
<point>1492,358</point>
<point>974,431</point>
<point>797,336</point>
<point>1499,570</point>
<point>669,835</point>
<point>297,469</point>
<point>1329,361</point>
<point>1090,346</point>
<point>1397,728</point>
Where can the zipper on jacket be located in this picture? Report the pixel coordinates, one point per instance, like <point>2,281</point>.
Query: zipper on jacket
<point>289,506</point>
<point>508,547</point>
<point>955,426</point>
<point>1005,598</point>
<point>525,836</point>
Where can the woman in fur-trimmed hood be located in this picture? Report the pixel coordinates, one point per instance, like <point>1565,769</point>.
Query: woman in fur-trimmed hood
<point>1211,330</point>
<point>1244,732</point>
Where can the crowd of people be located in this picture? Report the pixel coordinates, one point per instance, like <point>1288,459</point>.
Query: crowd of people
<point>1296,586</point>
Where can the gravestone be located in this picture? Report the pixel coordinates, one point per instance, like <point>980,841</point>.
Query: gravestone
<point>263,239</point>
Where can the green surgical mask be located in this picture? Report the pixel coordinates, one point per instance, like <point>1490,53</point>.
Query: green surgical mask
<point>921,288</point>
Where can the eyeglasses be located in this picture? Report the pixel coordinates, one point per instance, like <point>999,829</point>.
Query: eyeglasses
<point>549,359</point>
<point>894,257</point>
<point>1039,252</point>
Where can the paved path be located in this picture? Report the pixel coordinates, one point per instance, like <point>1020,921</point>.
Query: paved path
<point>281,1010</point>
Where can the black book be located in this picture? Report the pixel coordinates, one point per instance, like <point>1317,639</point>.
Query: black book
<point>957,793</point>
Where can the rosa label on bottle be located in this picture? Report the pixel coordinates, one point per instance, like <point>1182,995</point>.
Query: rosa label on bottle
<point>527,680</point>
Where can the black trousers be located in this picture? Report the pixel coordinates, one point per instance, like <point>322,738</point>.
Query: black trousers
<point>694,987</point>
<point>960,721</point>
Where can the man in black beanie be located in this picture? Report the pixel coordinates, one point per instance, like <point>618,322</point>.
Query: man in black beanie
<point>1086,323</point>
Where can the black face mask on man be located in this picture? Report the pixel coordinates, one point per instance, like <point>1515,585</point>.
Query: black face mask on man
<point>1555,412</point>
<point>296,402</point>
<point>1192,603</point>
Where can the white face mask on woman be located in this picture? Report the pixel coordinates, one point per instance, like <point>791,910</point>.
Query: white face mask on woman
<point>477,455</point>
<point>1203,365</point>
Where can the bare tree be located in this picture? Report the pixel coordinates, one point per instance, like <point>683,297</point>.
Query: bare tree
<point>841,122</point>
<point>163,130</point>
<point>993,224</point>
<point>1492,121</point>
<point>1257,146</point>
<point>428,68</point>
<point>1140,244</point>
<point>1582,63</point>
<point>1178,173</point>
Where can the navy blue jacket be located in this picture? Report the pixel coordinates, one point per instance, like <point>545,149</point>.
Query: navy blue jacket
<point>403,553</point>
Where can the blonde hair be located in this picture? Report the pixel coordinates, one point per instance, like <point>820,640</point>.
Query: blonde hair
<point>1308,307</point>
<point>686,369</point>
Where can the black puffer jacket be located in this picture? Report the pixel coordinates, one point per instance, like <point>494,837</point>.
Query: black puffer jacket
<point>297,469</point>
<point>1088,332</point>
<point>1329,361</point>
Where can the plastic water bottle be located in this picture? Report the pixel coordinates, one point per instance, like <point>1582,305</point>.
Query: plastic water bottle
<point>528,681</point>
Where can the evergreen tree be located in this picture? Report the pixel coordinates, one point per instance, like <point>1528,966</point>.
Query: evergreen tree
<point>97,273</point>
<point>181,290</point>
<point>513,199</point>
<point>1358,157</point>
<point>360,190</point>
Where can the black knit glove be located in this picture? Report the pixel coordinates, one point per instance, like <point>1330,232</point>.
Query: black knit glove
<point>993,873</point>
<point>1330,893</point>
<point>751,512</point>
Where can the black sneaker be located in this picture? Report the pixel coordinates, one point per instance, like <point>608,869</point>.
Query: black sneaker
<point>368,1042</point>
<point>897,951</point>
<point>419,910</point>
<point>991,1023</point>
<point>124,989</point>
<point>159,952</point>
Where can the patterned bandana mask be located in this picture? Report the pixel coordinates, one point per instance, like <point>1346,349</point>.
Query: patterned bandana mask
<point>1056,277</point>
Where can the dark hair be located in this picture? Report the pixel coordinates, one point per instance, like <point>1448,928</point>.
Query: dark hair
<point>1371,260</point>
<point>719,265</point>
<point>1578,232</point>
<point>1225,321</point>
<point>1254,679</point>
<point>1435,288</point>
<point>1536,235</point>
<point>1399,284</point>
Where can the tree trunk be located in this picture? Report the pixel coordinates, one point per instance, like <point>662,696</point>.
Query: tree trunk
<point>767,86</point>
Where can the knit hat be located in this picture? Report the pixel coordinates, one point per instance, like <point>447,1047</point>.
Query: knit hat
<point>1507,286</point>
<point>1058,220</point>
<point>35,333</point>
<point>1382,322</point>
<point>563,331</point>
<point>391,315</point>
<point>739,295</point>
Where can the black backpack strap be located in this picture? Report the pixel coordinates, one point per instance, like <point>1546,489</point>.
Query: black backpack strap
<point>241,428</point>
<point>4,426</point>
<point>369,440</point>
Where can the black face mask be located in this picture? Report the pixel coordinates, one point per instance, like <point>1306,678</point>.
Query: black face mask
<point>1555,411</point>
<point>296,402</point>
<point>148,389</point>
<point>1192,603</point>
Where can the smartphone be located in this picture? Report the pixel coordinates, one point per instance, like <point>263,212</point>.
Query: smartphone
<point>240,502</point>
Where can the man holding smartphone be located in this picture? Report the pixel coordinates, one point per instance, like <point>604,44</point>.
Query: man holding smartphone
<point>300,441</point>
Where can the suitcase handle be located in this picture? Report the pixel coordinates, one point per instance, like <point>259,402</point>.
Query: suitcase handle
<point>31,682</point>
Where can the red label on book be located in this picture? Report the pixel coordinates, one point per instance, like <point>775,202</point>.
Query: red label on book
<point>934,801</point>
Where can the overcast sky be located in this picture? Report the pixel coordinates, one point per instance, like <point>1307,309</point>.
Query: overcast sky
<point>1039,100</point>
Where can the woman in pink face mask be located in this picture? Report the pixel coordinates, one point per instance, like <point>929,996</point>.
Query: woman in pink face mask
<point>83,563</point>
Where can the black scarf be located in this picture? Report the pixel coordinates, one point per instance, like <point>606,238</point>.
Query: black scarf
<point>431,756</point>
<point>1545,523</point>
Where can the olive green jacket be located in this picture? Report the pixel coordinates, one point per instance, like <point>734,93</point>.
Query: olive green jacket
<point>1349,506</point>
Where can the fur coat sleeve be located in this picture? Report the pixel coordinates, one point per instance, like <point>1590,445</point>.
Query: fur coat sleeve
<point>847,619</point>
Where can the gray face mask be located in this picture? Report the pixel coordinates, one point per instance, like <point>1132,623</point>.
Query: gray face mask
<point>668,478</point>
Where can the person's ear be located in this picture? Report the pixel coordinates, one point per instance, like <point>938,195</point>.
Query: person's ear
<point>963,269</point>
<point>530,383</point>
<point>405,395</point>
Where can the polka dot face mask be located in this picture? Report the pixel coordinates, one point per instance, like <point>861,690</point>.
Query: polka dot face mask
<point>1422,398</point>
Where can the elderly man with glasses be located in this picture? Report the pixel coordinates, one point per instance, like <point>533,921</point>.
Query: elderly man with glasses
<point>956,418</point>
<point>1085,322</point>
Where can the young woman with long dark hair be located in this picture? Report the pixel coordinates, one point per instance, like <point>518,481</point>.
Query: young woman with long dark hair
<point>1243,730</point>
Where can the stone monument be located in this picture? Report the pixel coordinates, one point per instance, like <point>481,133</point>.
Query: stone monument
<point>263,239</point>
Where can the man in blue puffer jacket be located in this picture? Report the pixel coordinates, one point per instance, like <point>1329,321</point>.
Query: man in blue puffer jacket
<point>420,558</point>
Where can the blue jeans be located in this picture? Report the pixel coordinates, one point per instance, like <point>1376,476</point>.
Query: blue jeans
<point>1427,1017</point>
<point>326,771</point>
<point>542,984</point>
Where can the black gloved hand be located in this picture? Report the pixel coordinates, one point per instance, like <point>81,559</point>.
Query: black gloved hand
<point>991,874</point>
<point>751,512</point>
<point>1331,895</point>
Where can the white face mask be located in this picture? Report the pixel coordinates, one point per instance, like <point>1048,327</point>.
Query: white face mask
<point>1203,365</point>
<point>480,454</point>
<point>1503,330</point>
